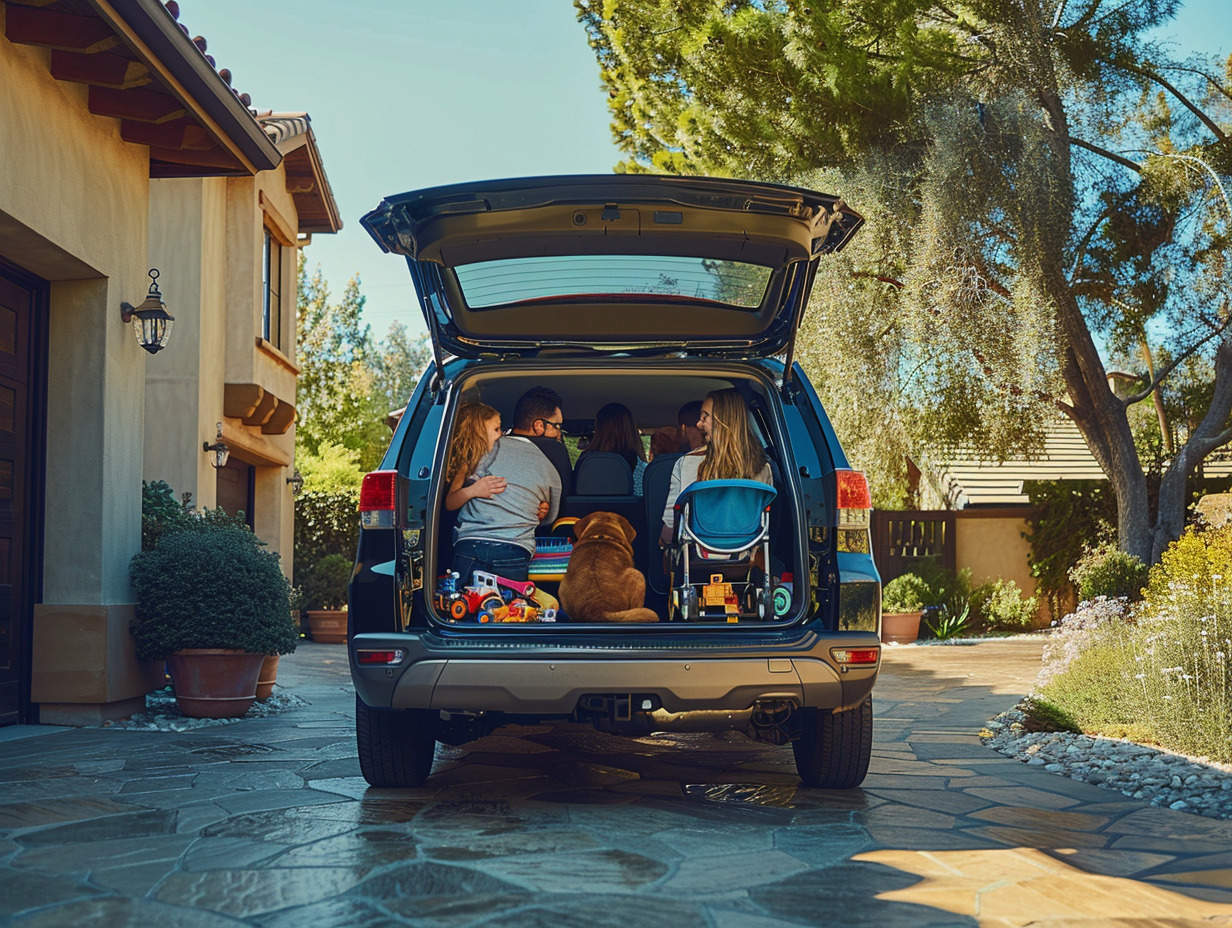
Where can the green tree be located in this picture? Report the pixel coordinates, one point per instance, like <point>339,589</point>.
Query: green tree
<point>348,382</point>
<point>1045,188</point>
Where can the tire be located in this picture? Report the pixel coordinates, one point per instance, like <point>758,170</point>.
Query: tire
<point>834,748</point>
<point>396,746</point>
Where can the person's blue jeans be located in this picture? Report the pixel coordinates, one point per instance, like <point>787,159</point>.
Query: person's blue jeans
<point>496,557</point>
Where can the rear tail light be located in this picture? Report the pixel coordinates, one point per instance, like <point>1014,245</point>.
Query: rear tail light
<point>851,656</point>
<point>853,495</point>
<point>853,502</point>
<point>376,499</point>
<point>386,658</point>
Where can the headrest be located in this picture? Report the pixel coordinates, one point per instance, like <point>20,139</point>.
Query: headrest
<point>602,473</point>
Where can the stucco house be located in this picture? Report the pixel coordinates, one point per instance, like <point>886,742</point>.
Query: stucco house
<point>125,149</point>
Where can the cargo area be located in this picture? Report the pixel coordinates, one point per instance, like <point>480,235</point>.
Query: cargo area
<point>729,595</point>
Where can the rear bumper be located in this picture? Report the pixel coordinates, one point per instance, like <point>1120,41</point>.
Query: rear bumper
<point>536,682</point>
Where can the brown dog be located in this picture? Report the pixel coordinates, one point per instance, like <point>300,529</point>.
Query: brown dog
<point>601,584</point>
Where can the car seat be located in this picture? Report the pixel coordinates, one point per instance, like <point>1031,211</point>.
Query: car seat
<point>720,552</point>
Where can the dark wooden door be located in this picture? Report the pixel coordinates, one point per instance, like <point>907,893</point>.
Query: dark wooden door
<point>20,298</point>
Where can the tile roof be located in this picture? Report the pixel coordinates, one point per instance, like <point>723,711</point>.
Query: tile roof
<point>964,481</point>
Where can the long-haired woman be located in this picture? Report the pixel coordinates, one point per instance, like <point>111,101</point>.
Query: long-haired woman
<point>616,432</point>
<point>731,452</point>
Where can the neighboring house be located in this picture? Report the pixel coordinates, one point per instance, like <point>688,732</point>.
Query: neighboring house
<point>966,481</point>
<point>974,512</point>
<point>124,149</point>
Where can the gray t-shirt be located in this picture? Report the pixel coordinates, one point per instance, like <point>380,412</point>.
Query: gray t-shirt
<point>512,516</point>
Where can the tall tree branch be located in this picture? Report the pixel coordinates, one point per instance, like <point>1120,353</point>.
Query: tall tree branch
<point>1104,153</point>
<point>1213,81</point>
<point>1184,100</point>
<point>1172,365</point>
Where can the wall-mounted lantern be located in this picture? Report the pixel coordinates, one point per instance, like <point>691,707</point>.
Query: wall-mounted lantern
<point>219,451</point>
<point>151,321</point>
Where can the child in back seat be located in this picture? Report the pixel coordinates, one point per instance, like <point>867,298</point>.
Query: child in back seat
<point>504,486</point>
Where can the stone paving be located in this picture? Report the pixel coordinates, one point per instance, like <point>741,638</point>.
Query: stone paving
<point>267,822</point>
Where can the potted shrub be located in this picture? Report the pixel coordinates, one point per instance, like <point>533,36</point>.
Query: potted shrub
<point>213,603</point>
<point>902,600</point>
<point>325,595</point>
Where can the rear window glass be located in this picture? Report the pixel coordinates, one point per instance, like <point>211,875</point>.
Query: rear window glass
<point>517,280</point>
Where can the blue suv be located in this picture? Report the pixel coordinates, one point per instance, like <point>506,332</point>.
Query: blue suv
<point>650,291</point>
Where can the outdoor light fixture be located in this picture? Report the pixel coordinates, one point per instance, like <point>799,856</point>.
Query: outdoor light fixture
<point>297,482</point>
<point>219,451</point>
<point>153,323</point>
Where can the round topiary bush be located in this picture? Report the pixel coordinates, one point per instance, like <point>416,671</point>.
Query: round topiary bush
<point>211,584</point>
<point>906,593</point>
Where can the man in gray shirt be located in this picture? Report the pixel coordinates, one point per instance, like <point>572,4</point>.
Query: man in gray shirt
<point>497,535</point>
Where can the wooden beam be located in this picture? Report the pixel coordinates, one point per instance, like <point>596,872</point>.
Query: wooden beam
<point>103,70</point>
<point>173,136</point>
<point>214,158</point>
<point>26,25</point>
<point>139,105</point>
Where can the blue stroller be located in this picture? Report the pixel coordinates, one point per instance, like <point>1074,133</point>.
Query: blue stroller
<point>720,527</point>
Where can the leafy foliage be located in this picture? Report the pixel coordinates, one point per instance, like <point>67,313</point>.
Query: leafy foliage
<point>1001,606</point>
<point>1044,189</point>
<point>1157,672</point>
<point>210,584</point>
<point>326,525</point>
<point>160,511</point>
<point>949,624</point>
<point>325,586</point>
<point>1105,570</point>
<point>1067,517</point>
<point>905,593</point>
<point>348,382</point>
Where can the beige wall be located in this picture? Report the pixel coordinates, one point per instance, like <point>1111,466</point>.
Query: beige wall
<point>90,241</point>
<point>184,381</point>
<point>208,233</point>
<point>990,543</point>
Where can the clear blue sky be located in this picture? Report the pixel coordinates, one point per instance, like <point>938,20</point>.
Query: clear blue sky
<point>414,93</point>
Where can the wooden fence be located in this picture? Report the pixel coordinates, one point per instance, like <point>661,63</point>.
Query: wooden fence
<point>902,539</point>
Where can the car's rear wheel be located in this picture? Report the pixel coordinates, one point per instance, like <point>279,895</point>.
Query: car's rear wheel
<point>396,746</point>
<point>834,748</point>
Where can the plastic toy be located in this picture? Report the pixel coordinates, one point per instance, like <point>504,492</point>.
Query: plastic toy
<point>489,596</point>
<point>449,599</point>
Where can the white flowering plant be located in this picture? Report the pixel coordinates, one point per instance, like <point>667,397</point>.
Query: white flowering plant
<point>1160,671</point>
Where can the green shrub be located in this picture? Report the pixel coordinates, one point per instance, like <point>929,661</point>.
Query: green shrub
<point>1106,570</point>
<point>907,593</point>
<point>950,625</point>
<point>1161,673</point>
<point>946,588</point>
<point>161,511</point>
<point>326,522</point>
<point>325,587</point>
<point>1002,607</point>
<point>211,584</point>
<point>1097,691</point>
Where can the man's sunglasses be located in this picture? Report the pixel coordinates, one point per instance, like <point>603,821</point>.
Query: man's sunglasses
<point>556,425</point>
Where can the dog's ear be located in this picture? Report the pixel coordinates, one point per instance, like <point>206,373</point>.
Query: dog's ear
<point>579,527</point>
<point>627,527</point>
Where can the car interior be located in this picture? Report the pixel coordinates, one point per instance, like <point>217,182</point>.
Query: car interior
<point>604,481</point>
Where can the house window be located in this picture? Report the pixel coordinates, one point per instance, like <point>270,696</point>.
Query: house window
<point>271,288</point>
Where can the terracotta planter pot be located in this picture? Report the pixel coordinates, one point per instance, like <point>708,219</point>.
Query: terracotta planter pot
<point>328,626</point>
<point>900,627</point>
<point>213,683</point>
<point>268,677</point>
